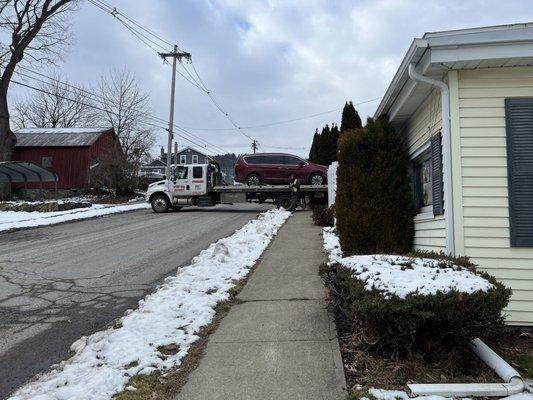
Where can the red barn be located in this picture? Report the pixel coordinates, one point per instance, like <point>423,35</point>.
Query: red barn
<point>70,152</point>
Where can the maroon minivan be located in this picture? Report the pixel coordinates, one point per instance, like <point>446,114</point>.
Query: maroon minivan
<point>277,168</point>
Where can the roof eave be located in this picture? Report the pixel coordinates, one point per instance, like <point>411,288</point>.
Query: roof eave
<point>414,54</point>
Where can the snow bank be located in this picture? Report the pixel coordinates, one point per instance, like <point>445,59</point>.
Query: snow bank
<point>403,276</point>
<point>22,219</point>
<point>172,315</point>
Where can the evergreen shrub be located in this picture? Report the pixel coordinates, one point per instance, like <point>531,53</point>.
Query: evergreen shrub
<point>323,215</point>
<point>374,207</point>
<point>418,324</point>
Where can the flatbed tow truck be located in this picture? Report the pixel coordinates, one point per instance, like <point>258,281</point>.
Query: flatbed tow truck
<point>202,185</point>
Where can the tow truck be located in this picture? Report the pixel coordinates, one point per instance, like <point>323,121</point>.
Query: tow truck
<point>202,185</point>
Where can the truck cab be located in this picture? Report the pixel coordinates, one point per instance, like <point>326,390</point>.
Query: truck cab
<point>189,185</point>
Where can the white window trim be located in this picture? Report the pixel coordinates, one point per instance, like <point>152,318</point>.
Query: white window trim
<point>421,150</point>
<point>183,159</point>
<point>195,158</point>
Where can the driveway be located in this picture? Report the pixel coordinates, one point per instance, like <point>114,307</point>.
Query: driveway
<point>61,282</point>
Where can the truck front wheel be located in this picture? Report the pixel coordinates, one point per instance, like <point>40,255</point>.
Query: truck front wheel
<point>160,203</point>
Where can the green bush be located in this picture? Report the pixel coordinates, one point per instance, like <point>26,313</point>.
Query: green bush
<point>323,215</point>
<point>425,324</point>
<point>374,207</point>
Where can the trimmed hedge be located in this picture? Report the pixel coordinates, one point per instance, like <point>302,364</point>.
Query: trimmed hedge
<point>374,206</point>
<point>425,324</point>
<point>323,215</point>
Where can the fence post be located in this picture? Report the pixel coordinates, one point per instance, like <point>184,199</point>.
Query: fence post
<point>332,182</point>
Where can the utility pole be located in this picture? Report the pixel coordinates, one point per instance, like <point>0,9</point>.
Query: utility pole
<point>176,55</point>
<point>255,145</point>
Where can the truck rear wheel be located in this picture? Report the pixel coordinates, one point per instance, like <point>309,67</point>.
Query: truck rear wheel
<point>160,203</point>
<point>283,201</point>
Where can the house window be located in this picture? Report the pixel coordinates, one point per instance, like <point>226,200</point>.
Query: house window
<point>46,162</point>
<point>427,177</point>
<point>195,158</point>
<point>423,183</point>
<point>183,159</point>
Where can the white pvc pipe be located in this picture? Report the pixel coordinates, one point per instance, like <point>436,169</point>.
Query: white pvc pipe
<point>493,360</point>
<point>468,389</point>
<point>446,154</point>
<point>513,382</point>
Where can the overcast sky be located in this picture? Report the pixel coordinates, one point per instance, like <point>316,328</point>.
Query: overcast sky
<point>267,61</point>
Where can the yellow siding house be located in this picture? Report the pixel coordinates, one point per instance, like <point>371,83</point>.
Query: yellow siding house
<point>463,100</point>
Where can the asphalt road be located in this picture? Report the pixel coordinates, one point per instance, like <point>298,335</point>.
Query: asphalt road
<point>61,282</point>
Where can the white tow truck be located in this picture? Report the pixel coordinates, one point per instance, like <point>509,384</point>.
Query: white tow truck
<point>202,185</point>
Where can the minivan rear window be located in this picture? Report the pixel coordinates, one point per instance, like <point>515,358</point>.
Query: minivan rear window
<point>290,160</point>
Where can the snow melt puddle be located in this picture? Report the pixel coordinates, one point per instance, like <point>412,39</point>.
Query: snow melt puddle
<point>104,362</point>
<point>402,276</point>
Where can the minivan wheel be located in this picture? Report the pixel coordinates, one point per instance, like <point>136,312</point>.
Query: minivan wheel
<point>253,180</point>
<point>316,179</point>
<point>160,203</point>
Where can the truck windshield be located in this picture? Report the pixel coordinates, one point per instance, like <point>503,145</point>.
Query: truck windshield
<point>181,172</point>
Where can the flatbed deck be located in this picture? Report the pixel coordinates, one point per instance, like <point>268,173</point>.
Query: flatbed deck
<point>267,188</point>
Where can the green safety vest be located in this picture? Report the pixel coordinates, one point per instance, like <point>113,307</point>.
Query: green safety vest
<point>295,186</point>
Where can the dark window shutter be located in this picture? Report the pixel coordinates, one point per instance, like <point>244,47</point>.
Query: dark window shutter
<point>519,126</point>
<point>436,174</point>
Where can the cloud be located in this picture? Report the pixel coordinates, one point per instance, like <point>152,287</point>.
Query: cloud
<point>270,60</point>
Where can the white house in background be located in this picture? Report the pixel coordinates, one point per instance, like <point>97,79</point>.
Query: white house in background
<point>464,102</point>
<point>156,168</point>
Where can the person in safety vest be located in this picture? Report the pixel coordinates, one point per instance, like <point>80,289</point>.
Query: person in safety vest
<point>294,187</point>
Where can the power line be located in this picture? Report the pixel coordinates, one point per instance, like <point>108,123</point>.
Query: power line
<point>99,98</point>
<point>98,108</point>
<point>114,12</point>
<point>282,121</point>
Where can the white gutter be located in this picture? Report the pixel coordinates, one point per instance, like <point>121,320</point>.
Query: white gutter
<point>446,153</point>
<point>513,382</point>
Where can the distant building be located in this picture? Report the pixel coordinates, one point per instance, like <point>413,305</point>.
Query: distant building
<point>187,155</point>
<point>70,152</point>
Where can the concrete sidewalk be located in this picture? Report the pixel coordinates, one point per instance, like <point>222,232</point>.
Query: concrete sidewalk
<point>280,342</point>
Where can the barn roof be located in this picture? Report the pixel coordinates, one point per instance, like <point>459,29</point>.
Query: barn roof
<point>58,137</point>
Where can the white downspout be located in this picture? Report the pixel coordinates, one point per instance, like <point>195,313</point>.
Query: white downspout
<point>446,153</point>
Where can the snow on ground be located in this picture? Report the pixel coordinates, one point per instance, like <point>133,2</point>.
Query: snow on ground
<point>172,315</point>
<point>403,276</point>
<point>331,244</point>
<point>22,219</point>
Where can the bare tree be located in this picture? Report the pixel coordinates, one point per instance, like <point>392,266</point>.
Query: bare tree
<point>57,104</point>
<point>33,28</point>
<point>127,109</point>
